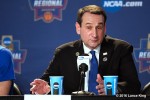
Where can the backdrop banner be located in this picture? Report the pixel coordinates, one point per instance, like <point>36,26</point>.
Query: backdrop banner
<point>32,29</point>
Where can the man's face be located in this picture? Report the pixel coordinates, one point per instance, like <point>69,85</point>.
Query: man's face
<point>92,29</point>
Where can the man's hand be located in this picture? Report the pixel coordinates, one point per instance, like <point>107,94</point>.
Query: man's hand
<point>39,86</point>
<point>100,87</point>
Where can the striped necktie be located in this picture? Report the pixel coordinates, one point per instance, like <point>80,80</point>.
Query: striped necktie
<point>93,74</point>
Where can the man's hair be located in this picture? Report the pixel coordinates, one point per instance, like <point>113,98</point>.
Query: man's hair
<point>93,9</point>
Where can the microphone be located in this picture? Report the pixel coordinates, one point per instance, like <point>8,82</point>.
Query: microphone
<point>83,63</point>
<point>82,68</point>
<point>83,59</point>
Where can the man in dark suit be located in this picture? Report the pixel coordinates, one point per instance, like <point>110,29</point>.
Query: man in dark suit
<point>114,57</point>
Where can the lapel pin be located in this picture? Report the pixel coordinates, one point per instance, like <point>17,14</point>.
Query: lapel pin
<point>105,53</point>
<point>105,59</point>
<point>77,54</point>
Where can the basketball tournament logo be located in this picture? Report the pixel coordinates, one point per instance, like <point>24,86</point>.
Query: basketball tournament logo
<point>19,55</point>
<point>142,55</point>
<point>47,10</point>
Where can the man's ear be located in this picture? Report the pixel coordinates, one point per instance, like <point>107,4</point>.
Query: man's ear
<point>77,28</point>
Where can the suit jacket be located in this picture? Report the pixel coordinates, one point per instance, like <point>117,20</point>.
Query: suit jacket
<point>117,61</point>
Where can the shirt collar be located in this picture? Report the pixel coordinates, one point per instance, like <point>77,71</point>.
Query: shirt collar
<point>87,50</point>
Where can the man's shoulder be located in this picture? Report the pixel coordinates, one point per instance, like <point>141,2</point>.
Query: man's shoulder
<point>116,41</point>
<point>71,44</point>
<point>4,50</point>
<point>1,47</point>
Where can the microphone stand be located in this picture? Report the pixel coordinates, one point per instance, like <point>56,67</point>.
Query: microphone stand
<point>82,68</point>
<point>82,81</point>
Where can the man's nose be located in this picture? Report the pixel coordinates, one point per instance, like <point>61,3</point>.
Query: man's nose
<point>94,33</point>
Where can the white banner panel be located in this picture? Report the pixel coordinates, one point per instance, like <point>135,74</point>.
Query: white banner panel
<point>47,97</point>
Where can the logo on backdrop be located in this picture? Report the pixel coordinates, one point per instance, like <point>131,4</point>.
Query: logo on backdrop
<point>47,10</point>
<point>142,55</point>
<point>19,55</point>
<point>116,5</point>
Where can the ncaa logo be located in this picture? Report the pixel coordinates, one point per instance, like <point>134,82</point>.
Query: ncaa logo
<point>116,5</point>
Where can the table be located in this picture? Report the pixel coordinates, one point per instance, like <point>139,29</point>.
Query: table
<point>21,97</point>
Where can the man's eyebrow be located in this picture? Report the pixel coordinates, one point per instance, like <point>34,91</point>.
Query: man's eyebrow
<point>100,23</point>
<point>88,23</point>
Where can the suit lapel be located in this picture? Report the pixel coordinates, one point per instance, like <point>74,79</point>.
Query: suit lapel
<point>105,55</point>
<point>78,48</point>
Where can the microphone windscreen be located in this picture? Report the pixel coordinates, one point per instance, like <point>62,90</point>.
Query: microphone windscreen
<point>83,67</point>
